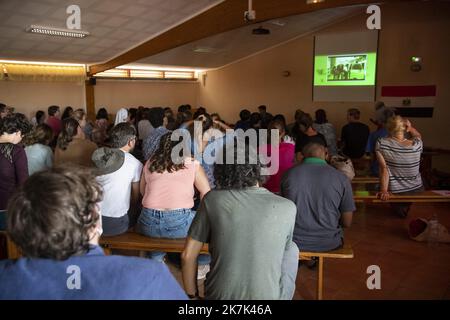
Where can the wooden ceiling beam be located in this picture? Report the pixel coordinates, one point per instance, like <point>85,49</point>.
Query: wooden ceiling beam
<point>225,16</point>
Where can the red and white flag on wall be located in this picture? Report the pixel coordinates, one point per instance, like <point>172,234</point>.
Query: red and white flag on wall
<point>419,96</point>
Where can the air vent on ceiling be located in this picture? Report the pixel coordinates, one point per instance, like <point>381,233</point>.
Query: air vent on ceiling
<point>205,50</point>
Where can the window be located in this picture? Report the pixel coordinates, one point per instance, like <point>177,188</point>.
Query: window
<point>147,74</point>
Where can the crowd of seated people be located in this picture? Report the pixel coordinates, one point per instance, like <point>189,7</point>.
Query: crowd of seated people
<point>134,182</point>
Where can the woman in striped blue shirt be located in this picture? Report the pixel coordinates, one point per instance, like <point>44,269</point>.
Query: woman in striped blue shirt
<point>399,159</point>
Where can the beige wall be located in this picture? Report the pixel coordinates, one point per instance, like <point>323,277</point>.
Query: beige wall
<point>28,97</point>
<point>114,94</point>
<point>408,29</point>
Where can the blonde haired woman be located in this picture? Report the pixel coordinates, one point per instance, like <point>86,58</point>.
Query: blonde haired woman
<point>399,159</point>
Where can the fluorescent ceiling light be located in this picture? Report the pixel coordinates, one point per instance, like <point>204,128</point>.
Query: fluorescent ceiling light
<point>44,63</point>
<point>314,1</point>
<point>51,31</point>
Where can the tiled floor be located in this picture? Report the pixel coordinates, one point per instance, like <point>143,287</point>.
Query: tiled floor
<point>409,269</point>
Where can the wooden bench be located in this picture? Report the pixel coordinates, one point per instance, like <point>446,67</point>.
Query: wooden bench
<point>425,196</point>
<point>365,180</point>
<point>343,253</point>
<point>137,242</point>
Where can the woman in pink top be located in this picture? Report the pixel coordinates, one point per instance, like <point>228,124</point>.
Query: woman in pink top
<point>284,153</point>
<point>168,191</point>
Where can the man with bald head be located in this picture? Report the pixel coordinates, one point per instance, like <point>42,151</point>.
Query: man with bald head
<point>324,200</point>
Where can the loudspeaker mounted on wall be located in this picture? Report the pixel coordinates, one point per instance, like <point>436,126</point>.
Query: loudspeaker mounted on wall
<point>92,81</point>
<point>204,76</point>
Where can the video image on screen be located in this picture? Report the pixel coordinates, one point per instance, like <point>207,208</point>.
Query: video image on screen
<point>346,68</point>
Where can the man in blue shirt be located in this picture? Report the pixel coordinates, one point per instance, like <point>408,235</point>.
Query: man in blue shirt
<point>55,221</point>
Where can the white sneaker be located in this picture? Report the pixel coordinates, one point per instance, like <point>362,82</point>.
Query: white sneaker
<point>202,271</point>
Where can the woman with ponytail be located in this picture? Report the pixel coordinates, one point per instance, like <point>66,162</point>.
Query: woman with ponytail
<point>72,147</point>
<point>168,187</point>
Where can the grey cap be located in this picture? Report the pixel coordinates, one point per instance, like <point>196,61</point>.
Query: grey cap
<point>108,160</point>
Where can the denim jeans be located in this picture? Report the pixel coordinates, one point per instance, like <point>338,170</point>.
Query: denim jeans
<point>167,224</point>
<point>115,226</point>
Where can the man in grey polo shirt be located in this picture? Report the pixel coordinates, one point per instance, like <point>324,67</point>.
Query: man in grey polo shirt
<point>324,200</point>
<point>249,231</point>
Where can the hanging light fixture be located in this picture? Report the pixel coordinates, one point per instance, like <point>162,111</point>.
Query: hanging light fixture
<point>51,31</point>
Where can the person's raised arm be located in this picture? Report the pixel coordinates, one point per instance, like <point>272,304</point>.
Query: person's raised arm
<point>384,177</point>
<point>201,182</point>
<point>189,266</point>
<point>412,131</point>
<point>222,125</point>
<point>188,123</point>
<point>4,138</point>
